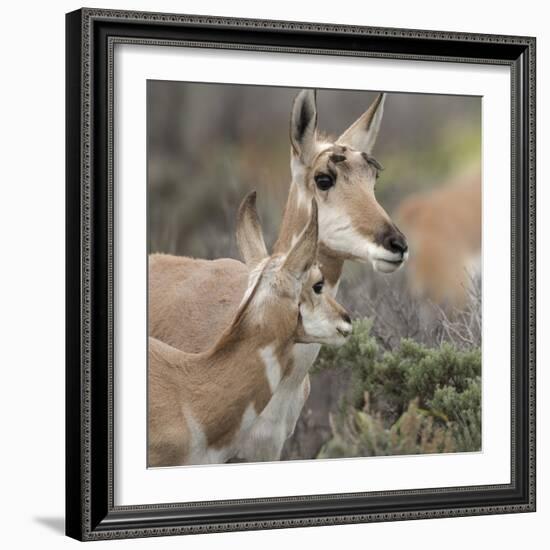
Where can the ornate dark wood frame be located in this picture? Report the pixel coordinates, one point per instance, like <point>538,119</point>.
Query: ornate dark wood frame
<point>90,40</point>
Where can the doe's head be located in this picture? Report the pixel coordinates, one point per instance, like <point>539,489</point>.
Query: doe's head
<point>285,292</point>
<point>341,175</point>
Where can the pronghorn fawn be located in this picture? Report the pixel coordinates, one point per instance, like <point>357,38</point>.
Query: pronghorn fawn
<point>201,406</point>
<point>203,295</point>
<point>444,227</point>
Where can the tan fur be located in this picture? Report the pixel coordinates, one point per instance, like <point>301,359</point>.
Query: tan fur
<point>215,387</point>
<point>191,301</point>
<point>444,227</point>
<point>354,196</point>
<point>197,402</point>
<point>295,217</point>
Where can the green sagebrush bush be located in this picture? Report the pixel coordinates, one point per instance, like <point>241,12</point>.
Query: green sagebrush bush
<point>414,399</point>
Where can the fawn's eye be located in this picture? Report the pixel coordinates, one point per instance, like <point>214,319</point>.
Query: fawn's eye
<point>324,181</point>
<point>318,287</point>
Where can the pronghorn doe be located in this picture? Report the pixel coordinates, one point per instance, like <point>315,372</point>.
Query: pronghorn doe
<point>202,405</point>
<point>203,295</point>
<point>444,228</point>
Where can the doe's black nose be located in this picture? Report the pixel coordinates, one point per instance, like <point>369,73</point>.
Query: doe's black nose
<point>395,242</point>
<point>346,318</point>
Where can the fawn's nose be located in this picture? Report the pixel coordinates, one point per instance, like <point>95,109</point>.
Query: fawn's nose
<point>345,328</point>
<point>395,242</point>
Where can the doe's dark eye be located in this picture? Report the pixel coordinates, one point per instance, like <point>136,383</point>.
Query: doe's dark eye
<point>324,181</point>
<point>318,287</point>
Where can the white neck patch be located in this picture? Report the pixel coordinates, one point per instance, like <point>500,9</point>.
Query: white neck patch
<point>273,370</point>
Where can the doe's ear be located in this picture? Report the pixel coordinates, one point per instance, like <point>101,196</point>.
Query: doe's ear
<point>304,252</point>
<point>362,134</point>
<point>303,125</point>
<point>250,240</point>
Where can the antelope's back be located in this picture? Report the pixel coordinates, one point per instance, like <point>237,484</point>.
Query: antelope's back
<point>191,301</point>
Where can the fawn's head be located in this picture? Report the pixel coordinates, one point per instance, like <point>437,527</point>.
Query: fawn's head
<point>285,292</point>
<point>341,175</point>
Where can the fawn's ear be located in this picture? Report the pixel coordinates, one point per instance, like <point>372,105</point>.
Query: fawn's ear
<point>304,252</point>
<point>303,126</point>
<point>362,134</point>
<point>250,240</point>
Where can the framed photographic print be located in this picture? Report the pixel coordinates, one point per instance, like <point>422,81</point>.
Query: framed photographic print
<point>300,274</point>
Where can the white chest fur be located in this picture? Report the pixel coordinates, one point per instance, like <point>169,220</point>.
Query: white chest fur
<point>273,370</point>
<point>265,440</point>
<point>199,450</point>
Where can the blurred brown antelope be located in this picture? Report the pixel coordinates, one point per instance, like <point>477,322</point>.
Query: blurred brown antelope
<point>444,229</point>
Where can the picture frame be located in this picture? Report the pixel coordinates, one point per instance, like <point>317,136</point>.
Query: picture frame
<point>91,511</point>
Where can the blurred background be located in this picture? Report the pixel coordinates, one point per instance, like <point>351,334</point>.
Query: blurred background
<point>409,381</point>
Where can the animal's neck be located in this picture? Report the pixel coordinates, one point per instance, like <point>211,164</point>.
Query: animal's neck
<point>247,349</point>
<point>241,352</point>
<point>295,218</point>
<point>331,266</point>
<point>252,329</point>
<point>244,375</point>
